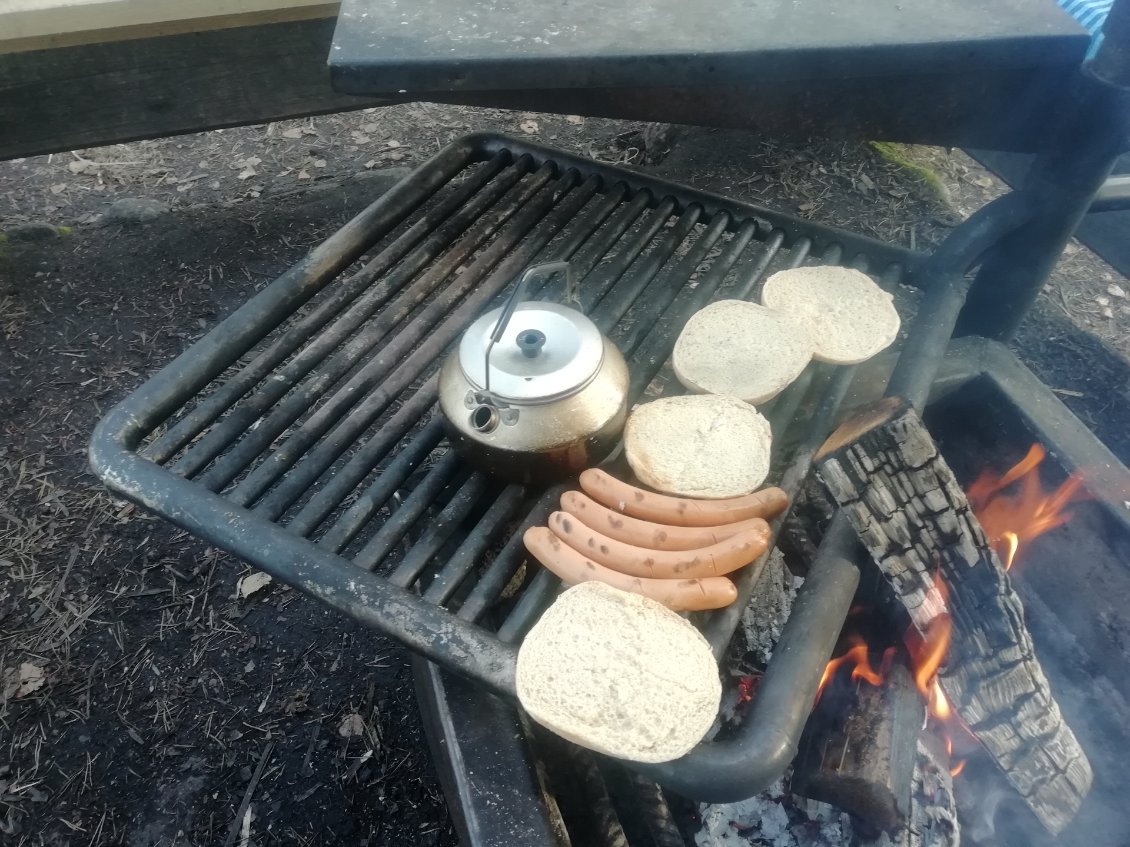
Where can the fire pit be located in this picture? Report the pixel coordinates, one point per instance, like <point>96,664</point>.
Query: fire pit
<point>299,436</point>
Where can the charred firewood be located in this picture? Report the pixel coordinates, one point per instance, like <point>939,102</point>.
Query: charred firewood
<point>933,807</point>
<point>859,748</point>
<point>805,525</point>
<point>884,471</point>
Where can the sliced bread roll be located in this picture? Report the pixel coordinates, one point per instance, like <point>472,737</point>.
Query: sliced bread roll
<point>699,445</point>
<point>739,348</point>
<point>849,317</point>
<point>619,674</point>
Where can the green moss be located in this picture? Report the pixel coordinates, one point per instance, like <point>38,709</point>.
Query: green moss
<point>64,230</point>
<point>897,155</point>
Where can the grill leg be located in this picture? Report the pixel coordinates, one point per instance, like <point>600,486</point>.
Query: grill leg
<point>1060,187</point>
<point>484,764</point>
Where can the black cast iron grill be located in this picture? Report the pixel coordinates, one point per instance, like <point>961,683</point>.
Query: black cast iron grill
<point>302,435</point>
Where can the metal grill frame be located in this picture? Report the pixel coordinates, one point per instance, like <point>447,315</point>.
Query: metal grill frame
<point>423,626</point>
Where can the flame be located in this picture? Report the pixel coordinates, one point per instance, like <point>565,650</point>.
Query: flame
<point>928,651</point>
<point>936,702</point>
<point>858,657</point>
<point>927,654</point>
<point>1014,509</point>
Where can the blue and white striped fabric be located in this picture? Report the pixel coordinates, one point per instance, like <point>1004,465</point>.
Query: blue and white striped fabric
<point>1089,13</point>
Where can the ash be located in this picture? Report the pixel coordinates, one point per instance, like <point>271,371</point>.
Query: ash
<point>764,617</point>
<point>778,818</point>
<point>774,818</point>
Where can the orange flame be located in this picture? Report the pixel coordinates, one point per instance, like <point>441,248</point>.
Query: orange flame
<point>858,658</point>
<point>928,651</point>
<point>1014,509</point>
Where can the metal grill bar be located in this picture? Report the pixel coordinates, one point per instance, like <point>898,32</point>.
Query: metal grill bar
<point>661,293</point>
<point>361,463</point>
<point>463,560</point>
<point>772,245</point>
<point>159,398</point>
<point>394,368</point>
<point>611,234</point>
<point>591,294</point>
<point>390,479</point>
<point>441,528</point>
<point>506,562</point>
<point>209,409</point>
<point>612,306</point>
<point>297,402</point>
<point>396,527</point>
<point>303,365</point>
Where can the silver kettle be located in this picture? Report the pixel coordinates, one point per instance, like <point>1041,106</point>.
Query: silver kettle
<point>534,392</point>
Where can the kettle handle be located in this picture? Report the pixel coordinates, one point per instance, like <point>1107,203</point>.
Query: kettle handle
<point>512,303</point>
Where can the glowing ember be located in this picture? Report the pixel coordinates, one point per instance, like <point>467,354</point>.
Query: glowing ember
<point>746,686</point>
<point>1013,508</point>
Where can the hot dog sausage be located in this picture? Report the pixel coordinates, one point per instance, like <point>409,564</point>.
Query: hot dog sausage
<point>677,594</point>
<point>679,511</point>
<point>650,535</point>
<point>716,560</point>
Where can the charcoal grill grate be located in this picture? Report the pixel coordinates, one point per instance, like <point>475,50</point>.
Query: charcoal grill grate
<point>301,433</point>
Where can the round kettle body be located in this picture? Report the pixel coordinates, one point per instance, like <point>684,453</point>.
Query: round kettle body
<point>546,401</point>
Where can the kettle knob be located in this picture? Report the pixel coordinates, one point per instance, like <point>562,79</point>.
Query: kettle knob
<point>530,342</point>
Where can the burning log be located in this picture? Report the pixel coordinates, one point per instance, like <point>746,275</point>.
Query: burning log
<point>858,751</point>
<point>884,471</point>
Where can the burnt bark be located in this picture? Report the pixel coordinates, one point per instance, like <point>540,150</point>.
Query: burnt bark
<point>933,806</point>
<point>883,469</point>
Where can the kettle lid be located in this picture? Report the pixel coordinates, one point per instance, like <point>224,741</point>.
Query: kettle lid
<point>547,352</point>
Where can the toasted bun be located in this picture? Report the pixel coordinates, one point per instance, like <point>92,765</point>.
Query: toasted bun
<point>700,445</point>
<point>742,349</point>
<point>619,674</point>
<point>848,316</point>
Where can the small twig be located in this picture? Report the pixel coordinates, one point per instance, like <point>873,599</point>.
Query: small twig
<point>306,770</point>
<point>234,830</point>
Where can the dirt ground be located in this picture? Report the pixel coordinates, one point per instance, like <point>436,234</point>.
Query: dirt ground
<point>150,698</point>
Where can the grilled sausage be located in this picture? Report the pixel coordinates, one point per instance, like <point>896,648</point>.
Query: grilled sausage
<point>716,560</point>
<point>680,511</point>
<point>650,535</point>
<point>677,594</point>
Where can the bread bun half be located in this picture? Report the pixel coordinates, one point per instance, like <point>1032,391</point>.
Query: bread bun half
<point>742,349</point>
<point>699,445</point>
<point>619,674</point>
<point>848,316</point>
